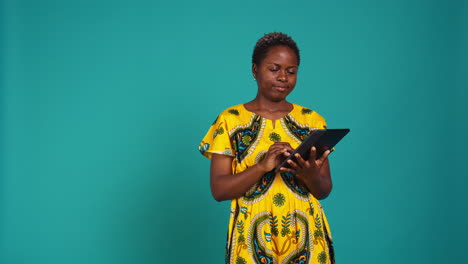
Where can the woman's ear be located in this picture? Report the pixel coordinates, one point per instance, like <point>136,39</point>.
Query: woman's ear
<point>254,70</point>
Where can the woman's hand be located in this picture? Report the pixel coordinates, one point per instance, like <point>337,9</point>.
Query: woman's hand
<point>313,173</point>
<point>226,186</point>
<point>310,167</point>
<point>275,155</point>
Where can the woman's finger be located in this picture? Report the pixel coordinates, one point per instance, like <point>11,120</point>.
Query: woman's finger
<point>293,164</point>
<point>275,152</point>
<point>313,153</point>
<point>285,145</point>
<point>278,146</point>
<point>278,153</point>
<point>303,163</point>
<point>325,156</point>
<point>284,169</point>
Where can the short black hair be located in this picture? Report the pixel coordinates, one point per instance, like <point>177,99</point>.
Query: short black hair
<point>270,40</point>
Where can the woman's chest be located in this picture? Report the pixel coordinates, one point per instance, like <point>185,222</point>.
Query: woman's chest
<point>251,143</point>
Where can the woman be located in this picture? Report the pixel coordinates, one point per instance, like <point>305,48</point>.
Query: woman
<point>275,218</point>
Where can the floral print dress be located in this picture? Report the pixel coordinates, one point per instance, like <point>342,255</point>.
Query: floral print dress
<point>277,220</point>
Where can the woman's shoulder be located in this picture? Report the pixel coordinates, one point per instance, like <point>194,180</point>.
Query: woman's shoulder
<point>235,112</point>
<point>233,116</point>
<point>303,112</point>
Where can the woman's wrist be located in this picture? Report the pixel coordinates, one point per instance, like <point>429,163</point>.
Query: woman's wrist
<point>261,168</point>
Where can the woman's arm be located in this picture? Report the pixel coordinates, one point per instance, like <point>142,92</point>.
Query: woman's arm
<point>228,186</point>
<point>225,185</point>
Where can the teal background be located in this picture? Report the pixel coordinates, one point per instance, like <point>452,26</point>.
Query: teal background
<point>103,104</point>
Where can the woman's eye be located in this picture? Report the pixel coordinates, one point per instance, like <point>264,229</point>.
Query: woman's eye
<point>274,70</point>
<point>291,72</point>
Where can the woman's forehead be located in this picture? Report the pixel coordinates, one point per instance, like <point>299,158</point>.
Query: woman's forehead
<point>281,55</point>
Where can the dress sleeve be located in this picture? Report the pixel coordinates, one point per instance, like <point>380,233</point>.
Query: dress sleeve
<point>322,124</point>
<point>217,139</point>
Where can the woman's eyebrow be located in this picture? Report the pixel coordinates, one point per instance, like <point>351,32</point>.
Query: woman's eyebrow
<point>276,64</point>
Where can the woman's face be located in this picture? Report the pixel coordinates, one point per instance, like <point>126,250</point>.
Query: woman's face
<point>276,74</point>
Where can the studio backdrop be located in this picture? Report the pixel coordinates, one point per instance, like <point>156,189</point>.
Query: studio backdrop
<point>104,103</point>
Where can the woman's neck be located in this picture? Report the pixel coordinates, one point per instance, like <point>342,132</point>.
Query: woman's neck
<point>268,109</point>
<point>265,105</point>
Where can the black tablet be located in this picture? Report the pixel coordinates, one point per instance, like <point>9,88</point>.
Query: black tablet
<point>322,139</point>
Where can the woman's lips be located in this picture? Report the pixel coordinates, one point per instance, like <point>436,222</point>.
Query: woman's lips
<point>280,88</point>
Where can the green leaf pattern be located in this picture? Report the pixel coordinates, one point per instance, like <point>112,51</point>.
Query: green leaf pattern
<point>318,222</point>
<point>218,131</point>
<point>275,137</point>
<point>274,225</point>
<point>240,260</point>
<point>286,223</point>
<point>306,111</point>
<point>322,257</point>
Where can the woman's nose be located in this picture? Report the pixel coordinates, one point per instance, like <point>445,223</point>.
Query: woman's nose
<point>282,76</point>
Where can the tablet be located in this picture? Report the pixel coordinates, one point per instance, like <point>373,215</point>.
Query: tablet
<point>322,139</point>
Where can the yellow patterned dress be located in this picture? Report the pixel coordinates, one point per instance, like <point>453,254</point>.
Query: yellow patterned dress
<point>277,220</point>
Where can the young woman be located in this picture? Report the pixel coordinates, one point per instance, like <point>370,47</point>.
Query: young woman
<point>275,217</point>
